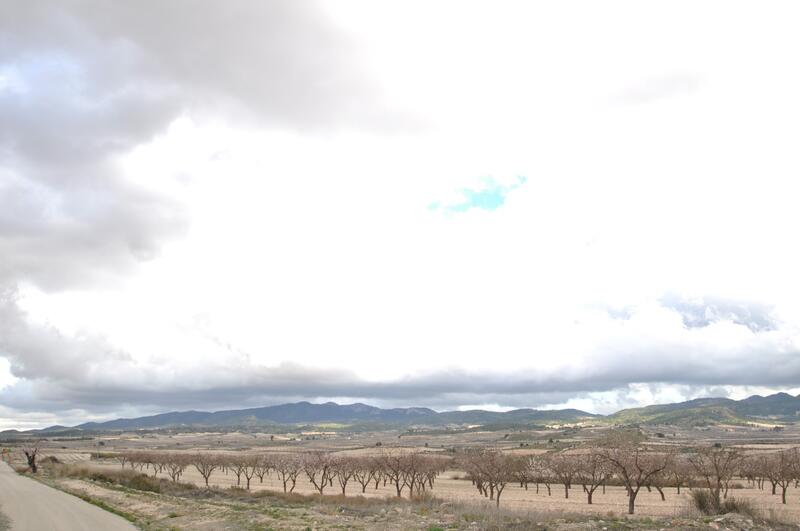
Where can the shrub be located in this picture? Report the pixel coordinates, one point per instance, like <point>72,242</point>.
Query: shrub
<point>707,504</point>
<point>704,502</point>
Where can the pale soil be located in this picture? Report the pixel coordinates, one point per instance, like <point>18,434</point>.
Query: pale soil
<point>614,502</point>
<point>163,512</point>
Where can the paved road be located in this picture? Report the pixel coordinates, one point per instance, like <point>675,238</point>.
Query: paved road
<point>32,506</point>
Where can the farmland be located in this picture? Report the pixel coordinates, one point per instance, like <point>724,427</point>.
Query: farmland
<point>422,480</point>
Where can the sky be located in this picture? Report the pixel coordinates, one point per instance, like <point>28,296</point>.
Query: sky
<point>453,204</point>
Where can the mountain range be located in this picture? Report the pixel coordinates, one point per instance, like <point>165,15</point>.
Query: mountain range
<point>780,407</point>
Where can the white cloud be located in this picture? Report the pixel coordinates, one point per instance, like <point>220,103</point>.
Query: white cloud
<point>658,148</point>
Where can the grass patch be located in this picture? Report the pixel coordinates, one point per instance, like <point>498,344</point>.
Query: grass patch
<point>134,480</point>
<point>123,477</point>
<point>106,507</point>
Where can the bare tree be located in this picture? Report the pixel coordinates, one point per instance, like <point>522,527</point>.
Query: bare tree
<point>781,471</point>
<point>634,465</point>
<point>155,461</point>
<point>490,471</point>
<point>752,469</point>
<point>205,465</point>
<point>288,467</point>
<point>538,467</point>
<point>364,472</point>
<point>564,467</point>
<point>251,468</point>
<point>592,471</point>
<point>176,464</point>
<point>345,470</point>
<point>680,472</point>
<point>392,468</point>
<point>716,466</point>
<point>30,455</point>
<point>319,468</point>
<point>237,464</point>
<point>263,465</point>
<point>123,457</point>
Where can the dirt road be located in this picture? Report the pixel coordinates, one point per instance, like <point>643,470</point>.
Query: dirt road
<point>31,506</point>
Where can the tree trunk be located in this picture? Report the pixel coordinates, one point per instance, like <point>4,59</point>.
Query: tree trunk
<point>631,502</point>
<point>31,457</point>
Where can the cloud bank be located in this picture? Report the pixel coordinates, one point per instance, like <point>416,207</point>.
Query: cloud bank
<point>208,205</point>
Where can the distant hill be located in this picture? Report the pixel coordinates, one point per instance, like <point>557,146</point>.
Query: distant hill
<point>699,412</point>
<point>296,413</point>
<point>305,413</point>
<point>707,411</point>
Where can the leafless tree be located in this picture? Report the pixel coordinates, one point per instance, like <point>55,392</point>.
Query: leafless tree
<point>205,465</point>
<point>288,467</point>
<point>345,468</point>
<point>592,471</point>
<point>564,467</point>
<point>490,471</point>
<point>123,458</point>
<point>781,470</point>
<point>716,466</point>
<point>752,469</point>
<point>680,472</point>
<point>264,463</point>
<point>319,467</point>
<point>252,464</point>
<point>538,470</point>
<point>156,461</point>
<point>30,455</point>
<point>392,468</point>
<point>634,465</point>
<point>364,472</point>
<point>176,464</point>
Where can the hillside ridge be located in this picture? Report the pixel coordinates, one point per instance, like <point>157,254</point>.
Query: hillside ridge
<point>697,412</point>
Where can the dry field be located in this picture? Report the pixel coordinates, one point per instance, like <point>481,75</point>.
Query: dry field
<point>451,486</point>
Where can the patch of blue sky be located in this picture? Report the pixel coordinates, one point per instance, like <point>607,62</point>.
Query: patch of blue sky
<point>491,196</point>
<point>40,72</point>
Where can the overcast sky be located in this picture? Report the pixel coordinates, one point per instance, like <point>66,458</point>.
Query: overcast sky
<point>210,205</point>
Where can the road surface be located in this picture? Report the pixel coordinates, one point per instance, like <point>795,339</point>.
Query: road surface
<point>32,506</point>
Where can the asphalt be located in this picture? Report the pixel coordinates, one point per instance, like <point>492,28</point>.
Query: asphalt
<point>32,506</point>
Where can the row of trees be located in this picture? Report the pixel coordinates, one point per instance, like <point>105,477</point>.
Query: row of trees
<point>634,467</point>
<point>409,472</point>
<point>626,463</point>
